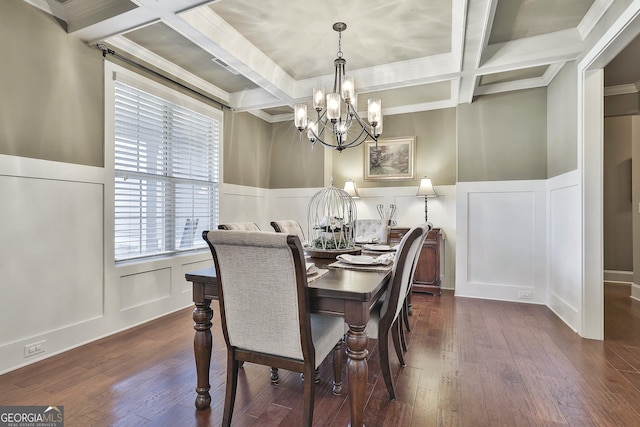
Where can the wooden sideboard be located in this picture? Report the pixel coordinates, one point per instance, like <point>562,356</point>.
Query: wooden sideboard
<point>427,275</point>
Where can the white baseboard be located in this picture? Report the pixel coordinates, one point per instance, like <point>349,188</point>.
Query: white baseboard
<point>635,291</point>
<point>618,276</point>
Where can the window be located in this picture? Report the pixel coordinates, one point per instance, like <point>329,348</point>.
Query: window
<point>166,175</point>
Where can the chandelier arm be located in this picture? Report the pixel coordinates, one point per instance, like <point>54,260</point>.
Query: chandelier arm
<point>356,141</point>
<point>353,143</point>
<point>364,126</point>
<point>323,125</point>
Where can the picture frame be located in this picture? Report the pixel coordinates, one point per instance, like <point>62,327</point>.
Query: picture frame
<point>393,159</point>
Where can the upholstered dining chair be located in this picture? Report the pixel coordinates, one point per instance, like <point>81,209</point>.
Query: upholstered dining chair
<point>289,226</point>
<point>371,231</point>
<point>385,317</point>
<point>265,311</point>
<point>249,226</point>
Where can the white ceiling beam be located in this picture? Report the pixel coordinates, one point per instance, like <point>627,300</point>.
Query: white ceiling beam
<point>131,48</point>
<point>479,18</point>
<point>532,51</point>
<point>593,15</point>
<point>147,11</point>
<point>511,86</point>
<point>253,99</point>
<point>395,75</point>
<point>216,36</point>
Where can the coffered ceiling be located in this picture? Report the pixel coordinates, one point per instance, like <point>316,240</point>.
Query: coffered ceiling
<point>265,56</point>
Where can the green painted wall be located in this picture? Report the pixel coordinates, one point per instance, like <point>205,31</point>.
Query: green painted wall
<point>503,137</point>
<point>562,116</point>
<point>247,144</point>
<point>435,155</point>
<point>52,93</point>
<point>294,163</point>
<point>617,208</point>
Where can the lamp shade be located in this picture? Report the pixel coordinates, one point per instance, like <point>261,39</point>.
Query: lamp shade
<point>426,188</point>
<point>350,188</point>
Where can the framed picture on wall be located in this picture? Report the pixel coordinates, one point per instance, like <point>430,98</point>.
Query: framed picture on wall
<point>393,159</point>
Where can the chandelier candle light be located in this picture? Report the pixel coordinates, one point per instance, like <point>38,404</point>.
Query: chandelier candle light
<point>331,113</point>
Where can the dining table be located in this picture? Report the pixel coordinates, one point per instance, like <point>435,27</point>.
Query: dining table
<point>346,292</point>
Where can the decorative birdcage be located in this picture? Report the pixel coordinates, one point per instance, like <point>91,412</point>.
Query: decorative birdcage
<point>331,217</point>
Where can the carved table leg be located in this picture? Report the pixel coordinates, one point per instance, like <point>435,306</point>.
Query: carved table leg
<point>357,372</point>
<point>202,344</point>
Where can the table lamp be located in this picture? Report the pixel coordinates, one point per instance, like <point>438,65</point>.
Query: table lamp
<point>350,188</point>
<point>426,190</point>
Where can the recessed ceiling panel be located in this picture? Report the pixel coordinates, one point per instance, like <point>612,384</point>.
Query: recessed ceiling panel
<point>516,19</point>
<point>298,35</point>
<point>276,111</point>
<point>411,95</point>
<point>82,13</point>
<point>165,42</point>
<point>510,76</point>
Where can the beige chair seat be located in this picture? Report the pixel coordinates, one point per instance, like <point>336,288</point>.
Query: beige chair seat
<point>265,311</point>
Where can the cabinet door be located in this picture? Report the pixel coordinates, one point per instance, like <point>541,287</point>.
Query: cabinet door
<point>427,274</point>
<point>428,263</point>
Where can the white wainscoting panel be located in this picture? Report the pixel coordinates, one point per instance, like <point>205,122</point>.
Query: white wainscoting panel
<point>565,246</point>
<point>289,203</point>
<point>143,288</point>
<point>57,284</point>
<point>51,262</point>
<point>46,264</point>
<point>501,245</point>
<point>239,203</point>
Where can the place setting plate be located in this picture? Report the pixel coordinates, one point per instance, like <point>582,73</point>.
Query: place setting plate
<point>357,259</point>
<point>378,248</point>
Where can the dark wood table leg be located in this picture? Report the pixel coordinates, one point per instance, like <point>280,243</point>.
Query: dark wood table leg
<point>357,372</point>
<point>202,344</point>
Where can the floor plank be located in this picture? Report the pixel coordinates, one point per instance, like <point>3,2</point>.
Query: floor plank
<point>470,363</point>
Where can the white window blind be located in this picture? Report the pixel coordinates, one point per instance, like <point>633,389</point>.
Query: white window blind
<point>166,175</point>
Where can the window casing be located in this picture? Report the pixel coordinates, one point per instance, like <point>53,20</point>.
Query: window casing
<point>166,168</point>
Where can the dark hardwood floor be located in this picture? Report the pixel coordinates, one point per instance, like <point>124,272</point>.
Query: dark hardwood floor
<point>470,363</point>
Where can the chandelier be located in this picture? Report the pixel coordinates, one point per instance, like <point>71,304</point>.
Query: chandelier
<point>338,111</point>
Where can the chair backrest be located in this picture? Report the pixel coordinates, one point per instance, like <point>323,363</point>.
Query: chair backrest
<point>249,226</point>
<point>264,304</point>
<point>288,226</point>
<point>402,273</point>
<point>366,230</point>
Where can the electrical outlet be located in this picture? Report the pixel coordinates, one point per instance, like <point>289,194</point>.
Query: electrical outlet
<point>524,295</point>
<point>35,348</point>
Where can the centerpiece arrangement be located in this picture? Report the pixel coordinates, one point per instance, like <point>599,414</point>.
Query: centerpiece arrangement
<point>331,215</point>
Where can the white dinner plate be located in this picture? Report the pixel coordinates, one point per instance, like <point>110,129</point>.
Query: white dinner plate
<point>379,248</point>
<point>357,259</point>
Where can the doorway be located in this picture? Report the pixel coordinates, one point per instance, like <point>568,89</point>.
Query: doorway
<point>590,161</point>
